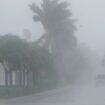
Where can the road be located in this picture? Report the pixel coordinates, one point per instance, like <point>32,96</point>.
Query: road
<point>70,95</point>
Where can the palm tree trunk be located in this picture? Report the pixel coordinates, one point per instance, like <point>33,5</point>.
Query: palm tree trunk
<point>23,78</point>
<point>31,79</point>
<point>6,78</point>
<point>28,80</point>
<point>20,78</point>
<point>34,78</point>
<point>16,78</point>
<point>10,78</point>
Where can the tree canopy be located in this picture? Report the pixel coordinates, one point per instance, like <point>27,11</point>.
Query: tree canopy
<point>24,58</point>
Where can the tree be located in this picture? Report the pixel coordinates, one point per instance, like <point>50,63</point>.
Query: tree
<point>45,73</point>
<point>12,52</point>
<point>54,16</point>
<point>59,37</point>
<point>26,59</point>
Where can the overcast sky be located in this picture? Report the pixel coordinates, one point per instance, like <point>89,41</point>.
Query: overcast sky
<point>15,16</point>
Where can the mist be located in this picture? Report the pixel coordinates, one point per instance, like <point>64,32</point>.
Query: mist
<point>90,16</point>
<point>52,51</point>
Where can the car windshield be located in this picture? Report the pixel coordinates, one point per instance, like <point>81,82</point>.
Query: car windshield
<point>52,52</point>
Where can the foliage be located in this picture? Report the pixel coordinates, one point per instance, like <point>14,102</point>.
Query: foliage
<point>55,18</point>
<point>27,58</point>
<point>59,37</point>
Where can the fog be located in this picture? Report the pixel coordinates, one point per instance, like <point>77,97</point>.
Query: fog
<point>90,15</point>
<point>52,51</point>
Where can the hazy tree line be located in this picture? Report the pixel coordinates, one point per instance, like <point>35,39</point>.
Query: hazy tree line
<point>59,57</point>
<point>29,62</point>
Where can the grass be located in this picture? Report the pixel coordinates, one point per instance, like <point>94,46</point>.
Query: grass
<point>14,91</point>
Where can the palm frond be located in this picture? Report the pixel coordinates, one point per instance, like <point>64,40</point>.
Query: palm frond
<point>58,15</point>
<point>61,5</point>
<point>53,3</point>
<point>45,4</point>
<point>36,9</point>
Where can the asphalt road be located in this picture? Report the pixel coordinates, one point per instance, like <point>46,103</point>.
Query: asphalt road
<point>70,95</point>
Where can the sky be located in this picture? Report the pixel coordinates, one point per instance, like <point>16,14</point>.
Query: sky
<point>15,16</point>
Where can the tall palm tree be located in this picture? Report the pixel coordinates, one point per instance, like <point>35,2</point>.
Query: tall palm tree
<point>55,18</point>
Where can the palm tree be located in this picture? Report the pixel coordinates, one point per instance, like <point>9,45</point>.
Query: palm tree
<point>59,37</point>
<point>54,17</point>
